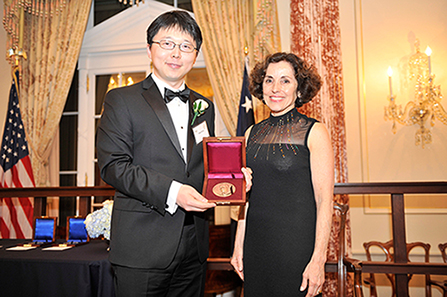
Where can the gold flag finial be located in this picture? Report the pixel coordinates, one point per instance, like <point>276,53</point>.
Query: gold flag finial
<point>18,51</point>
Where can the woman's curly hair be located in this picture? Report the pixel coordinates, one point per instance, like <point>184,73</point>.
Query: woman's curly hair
<point>309,81</point>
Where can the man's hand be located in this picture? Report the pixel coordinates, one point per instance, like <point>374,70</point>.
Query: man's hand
<point>191,200</point>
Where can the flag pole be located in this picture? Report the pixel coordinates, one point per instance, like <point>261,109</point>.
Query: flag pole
<point>246,113</point>
<point>246,57</point>
<point>22,25</point>
<point>18,52</point>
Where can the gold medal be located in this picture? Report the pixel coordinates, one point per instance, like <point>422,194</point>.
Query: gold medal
<point>224,189</point>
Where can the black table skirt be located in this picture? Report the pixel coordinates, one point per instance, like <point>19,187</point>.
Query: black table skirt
<point>80,271</point>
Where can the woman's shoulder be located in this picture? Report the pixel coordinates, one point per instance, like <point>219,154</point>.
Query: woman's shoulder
<point>318,135</point>
<point>305,117</point>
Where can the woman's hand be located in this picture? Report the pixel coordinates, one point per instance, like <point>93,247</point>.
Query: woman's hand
<point>237,258</point>
<point>248,178</point>
<point>313,278</point>
<point>236,261</point>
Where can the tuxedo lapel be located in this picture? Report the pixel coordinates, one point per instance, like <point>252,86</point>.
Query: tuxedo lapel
<point>153,97</point>
<point>191,139</point>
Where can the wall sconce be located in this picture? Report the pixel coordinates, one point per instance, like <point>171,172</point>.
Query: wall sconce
<point>427,99</point>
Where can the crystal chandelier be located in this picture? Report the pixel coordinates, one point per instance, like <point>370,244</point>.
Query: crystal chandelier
<point>131,2</point>
<point>426,106</point>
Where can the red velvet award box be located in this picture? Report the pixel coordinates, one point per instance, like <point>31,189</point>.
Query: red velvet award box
<point>223,159</point>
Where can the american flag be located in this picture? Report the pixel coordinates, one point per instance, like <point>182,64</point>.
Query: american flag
<point>16,214</point>
<point>246,116</point>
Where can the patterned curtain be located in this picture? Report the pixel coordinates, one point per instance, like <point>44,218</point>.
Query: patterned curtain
<point>228,27</point>
<point>266,40</point>
<point>316,37</point>
<point>52,38</point>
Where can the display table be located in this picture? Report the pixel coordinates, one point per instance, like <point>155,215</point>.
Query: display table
<point>81,271</point>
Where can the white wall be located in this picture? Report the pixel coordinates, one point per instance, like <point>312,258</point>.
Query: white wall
<point>374,153</point>
<point>375,35</point>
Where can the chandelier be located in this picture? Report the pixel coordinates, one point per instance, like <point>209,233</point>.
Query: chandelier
<point>131,2</point>
<point>426,106</point>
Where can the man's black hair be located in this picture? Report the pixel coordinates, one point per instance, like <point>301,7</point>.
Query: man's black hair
<point>175,19</point>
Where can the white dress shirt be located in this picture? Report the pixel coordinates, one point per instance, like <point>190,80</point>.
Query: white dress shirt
<point>179,111</point>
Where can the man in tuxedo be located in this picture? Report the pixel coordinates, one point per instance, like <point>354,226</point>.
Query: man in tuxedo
<point>149,146</point>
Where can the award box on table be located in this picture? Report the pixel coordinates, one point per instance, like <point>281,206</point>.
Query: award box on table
<point>44,232</point>
<point>76,233</point>
<point>223,159</point>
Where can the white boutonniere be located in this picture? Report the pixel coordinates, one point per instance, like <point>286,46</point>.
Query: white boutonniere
<point>199,106</point>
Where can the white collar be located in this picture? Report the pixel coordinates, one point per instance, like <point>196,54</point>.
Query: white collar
<point>161,85</point>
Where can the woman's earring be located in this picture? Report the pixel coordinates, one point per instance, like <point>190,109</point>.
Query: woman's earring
<point>298,94</point>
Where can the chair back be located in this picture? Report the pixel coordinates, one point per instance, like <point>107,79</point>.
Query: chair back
<point>441,284</point>
<point>387,249</point>
<point>442,247</point>
<point>342,209</point>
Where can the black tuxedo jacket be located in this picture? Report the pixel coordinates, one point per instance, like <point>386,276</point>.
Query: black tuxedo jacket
<point>139,155</point>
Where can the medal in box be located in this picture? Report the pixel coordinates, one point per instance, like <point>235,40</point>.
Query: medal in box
<point>223,159</point>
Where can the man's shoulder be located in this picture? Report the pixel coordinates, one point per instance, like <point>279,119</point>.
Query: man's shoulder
<point>137,87</point>
<point>125,93</point>
<point>200,96</point>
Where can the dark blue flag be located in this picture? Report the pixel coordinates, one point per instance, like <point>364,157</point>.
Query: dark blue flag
<point>246,116</point>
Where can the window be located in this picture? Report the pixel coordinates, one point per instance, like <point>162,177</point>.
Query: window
<point>105,9</point>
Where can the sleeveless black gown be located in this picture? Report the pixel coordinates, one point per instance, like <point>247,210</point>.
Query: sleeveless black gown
<point>281,219</point>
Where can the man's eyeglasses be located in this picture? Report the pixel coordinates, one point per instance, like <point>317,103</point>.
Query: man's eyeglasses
<point>170,45</point>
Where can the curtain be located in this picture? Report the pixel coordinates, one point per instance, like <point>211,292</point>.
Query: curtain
<point>266,40</point>
<point>52,38</point>
<point>229,27</point>
<point>316,37</point>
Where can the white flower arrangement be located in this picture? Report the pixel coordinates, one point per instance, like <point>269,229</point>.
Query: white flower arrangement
<point>199,106</point>
<point>98,222</point>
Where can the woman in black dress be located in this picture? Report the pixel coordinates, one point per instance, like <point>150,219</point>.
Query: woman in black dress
<point>282,235</point>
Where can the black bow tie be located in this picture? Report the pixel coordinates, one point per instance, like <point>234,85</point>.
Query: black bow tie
<point>183,95</point>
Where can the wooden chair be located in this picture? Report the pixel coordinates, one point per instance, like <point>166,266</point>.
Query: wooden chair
<point>345,263</point>
<point>342,210</point>
<point>441,284</point>
<point>387,249</point>
<point>220,281</point>
<point>442,247</point>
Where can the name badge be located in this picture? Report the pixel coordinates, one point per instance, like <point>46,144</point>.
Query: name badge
<point>200,131</point>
